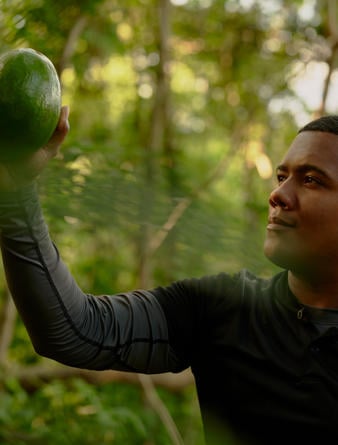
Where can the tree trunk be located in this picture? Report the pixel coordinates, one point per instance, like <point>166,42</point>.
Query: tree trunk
<point>159,122</point>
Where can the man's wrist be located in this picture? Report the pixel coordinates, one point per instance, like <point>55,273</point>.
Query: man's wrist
<point>18,194</point>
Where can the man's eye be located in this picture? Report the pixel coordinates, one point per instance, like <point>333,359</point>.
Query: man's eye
<point>280,178</point>
<point>309,179</point>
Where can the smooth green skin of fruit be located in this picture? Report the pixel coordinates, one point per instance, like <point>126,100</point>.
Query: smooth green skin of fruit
<point>30,102</point>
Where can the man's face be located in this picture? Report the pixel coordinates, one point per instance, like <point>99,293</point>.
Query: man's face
<point>302,232</point>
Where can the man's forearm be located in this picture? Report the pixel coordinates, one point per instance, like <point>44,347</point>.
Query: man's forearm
<point>63,322</point>
<point>44,292</point>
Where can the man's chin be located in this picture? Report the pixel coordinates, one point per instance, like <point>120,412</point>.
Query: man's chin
<point>277,261</point>
<point>278,257</point>
<point>286,260</point>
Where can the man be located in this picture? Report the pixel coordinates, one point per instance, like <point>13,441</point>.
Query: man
<point>264,353</point>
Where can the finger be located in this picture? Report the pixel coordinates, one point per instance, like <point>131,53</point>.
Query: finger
<point>63,120</point>
<point>60,132</point>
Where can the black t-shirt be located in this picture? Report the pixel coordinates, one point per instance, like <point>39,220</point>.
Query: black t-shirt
<point>262,369</point>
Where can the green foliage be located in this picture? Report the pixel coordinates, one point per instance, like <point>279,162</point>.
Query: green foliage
<point>77,412</point>
<point>156,108</point>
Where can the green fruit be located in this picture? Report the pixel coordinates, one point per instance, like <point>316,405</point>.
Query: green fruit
<point>30,102</point>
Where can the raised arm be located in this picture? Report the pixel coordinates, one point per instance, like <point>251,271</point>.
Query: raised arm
<point>126,331</point>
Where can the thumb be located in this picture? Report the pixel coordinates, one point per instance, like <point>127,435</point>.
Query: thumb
<point>53,145</point>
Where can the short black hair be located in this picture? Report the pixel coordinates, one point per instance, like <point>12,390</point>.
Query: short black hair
<point>327,124</point>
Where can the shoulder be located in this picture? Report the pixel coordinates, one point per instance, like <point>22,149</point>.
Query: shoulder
<point>223,289</point>
<point>243,284</point>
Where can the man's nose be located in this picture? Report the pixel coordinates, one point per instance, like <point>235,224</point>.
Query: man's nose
<point>282,197</point>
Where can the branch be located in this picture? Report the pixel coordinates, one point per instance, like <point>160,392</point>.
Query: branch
<point>32,377</point>
<point>332,18</point>
<point>331,64</point>
<point>71,41</point>
<point>159,407</point>
<point>7,321</point>
<point>333,37</point>
<point>184,203</point>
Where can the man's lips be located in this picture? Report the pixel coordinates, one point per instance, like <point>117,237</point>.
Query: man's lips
<point>278,223</point>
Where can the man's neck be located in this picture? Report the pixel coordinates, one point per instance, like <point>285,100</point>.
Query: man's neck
<point>317,292</point>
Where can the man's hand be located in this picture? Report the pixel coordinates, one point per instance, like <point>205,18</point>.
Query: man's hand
<point>18,174</point>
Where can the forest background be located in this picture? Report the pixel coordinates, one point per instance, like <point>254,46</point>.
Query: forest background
<point>180,111</point>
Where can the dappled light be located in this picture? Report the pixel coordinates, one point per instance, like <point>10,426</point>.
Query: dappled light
<point>180,111</point>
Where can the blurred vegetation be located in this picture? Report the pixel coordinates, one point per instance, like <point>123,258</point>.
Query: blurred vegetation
<point>179,112</point>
